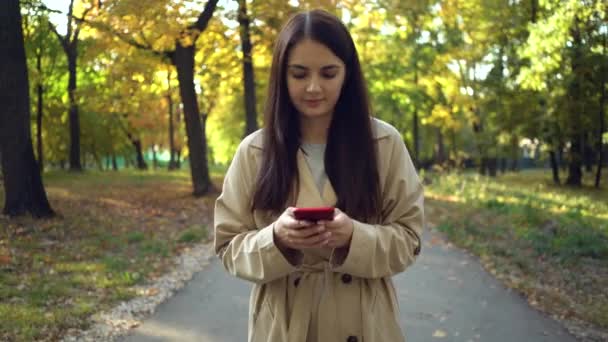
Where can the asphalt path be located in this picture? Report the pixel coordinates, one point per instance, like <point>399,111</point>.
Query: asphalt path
<point>445,296</point>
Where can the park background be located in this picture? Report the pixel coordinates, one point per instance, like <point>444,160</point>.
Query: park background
<point>136,108</point>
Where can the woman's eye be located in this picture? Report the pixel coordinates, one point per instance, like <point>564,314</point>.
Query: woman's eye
<point>298,76</point>
<point>329,75</point>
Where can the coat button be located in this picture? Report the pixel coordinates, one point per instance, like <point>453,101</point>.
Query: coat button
<point>346,279</point>
<point>296,282</point>
<point>352,339</point>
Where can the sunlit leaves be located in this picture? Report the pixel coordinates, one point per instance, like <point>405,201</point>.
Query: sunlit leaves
<point>545,44</point>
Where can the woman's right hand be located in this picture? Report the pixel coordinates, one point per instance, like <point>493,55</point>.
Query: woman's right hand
<point>292,233</point>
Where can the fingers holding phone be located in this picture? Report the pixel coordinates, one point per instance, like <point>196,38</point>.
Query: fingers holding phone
<point>295,231</point>
<point>341,229</point>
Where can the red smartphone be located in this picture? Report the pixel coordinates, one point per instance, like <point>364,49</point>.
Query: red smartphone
<point>314,213</point>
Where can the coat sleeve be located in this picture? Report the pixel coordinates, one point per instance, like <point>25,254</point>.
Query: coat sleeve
<point>386,249</point>
<point>246,251</point>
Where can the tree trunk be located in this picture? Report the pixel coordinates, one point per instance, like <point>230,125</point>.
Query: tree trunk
<point>575,174</point>
<point>560,160</point>
<point>440,157</point>
<point>483,166</point>
<point>154,159</point>
<point>141,163</point>
<point>183,59</point>
<point>514,153</point>
<point>39,90</point>
<point>178,157</point>
<point>554,167</point>
<point>600,144</point>
<point>492,163</point>
<point>172,164</point>
<point>588,157</point>
<point>24,190</point>
<point>503,165</point>
<point>415,122</point>
<point>248,76</point>
<point>75,164</point>
<point>114,163</point>
<point>575,93</point>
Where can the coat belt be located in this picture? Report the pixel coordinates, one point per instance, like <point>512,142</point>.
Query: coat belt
<point>304,304</point>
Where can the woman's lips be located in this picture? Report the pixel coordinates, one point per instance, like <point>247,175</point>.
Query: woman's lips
<point>313,103</point>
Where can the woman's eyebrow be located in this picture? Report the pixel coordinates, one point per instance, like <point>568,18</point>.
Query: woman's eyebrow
<point>326,67</point>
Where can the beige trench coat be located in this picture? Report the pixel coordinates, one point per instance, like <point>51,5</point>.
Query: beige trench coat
<point>330,295</point>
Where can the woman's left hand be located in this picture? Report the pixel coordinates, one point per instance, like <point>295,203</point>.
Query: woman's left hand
<point>341,228</point>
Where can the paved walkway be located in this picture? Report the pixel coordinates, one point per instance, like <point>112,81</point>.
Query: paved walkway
<point>445,296</point>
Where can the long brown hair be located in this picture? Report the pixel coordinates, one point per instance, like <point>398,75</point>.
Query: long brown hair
<point>350,155</point>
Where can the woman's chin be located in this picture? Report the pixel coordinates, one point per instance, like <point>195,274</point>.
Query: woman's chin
<point>314,114</point>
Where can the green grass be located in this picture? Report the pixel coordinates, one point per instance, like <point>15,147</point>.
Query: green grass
<point>522,224</point>
<point>195,233</point>
<point>114,230</point>
<point>557,220</point>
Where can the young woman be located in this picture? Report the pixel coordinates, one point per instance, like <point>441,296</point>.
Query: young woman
<point>326,280</point>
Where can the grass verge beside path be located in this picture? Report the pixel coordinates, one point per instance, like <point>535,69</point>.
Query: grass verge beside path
<point>115,230</point>
<point>548,242</point>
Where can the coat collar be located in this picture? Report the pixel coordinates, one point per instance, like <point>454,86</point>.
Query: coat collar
<point>380,130</point>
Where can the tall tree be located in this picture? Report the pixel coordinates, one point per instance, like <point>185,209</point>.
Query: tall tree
<point>169,96</point>
<point>43,53</point>
<point>23,185</point>
<point>602,116</point>
<point>69,42</point>
<point>181,55</point>
<point>251,123</point>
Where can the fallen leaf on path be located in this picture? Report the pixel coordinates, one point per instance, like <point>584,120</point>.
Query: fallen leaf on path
<point>439,333</point>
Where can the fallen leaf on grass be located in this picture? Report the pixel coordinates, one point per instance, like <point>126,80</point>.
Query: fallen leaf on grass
<point>5,259</point>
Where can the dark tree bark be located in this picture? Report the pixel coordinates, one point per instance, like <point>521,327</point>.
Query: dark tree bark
<point>440,152</point>
<point>514,154</point>
<point>602,128</point>
<point>178,155</point>
<point>75,164</point>
<point>24,190</point>
<point>141,163</point>
<point>554,167</point>
<point>183,59</point>
<point>575,174</point>
<point>492,163</point>
<point>503,165</point>
<point>154,159</point>
<point>561,159</point>
<point>588,156</point>
<point>172,163</point>
<point>575,161</point>
<point>248,75</point>
<point>114,163</point>
<point>483,166</point>
<point>39,91</point>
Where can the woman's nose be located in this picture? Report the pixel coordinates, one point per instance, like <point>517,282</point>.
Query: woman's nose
<point>313,86</point>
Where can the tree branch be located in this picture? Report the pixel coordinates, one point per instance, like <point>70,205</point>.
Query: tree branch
<point>70,17</point>
<point>61,38</point>
<point>205,16</point>
<point>126,38</point>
